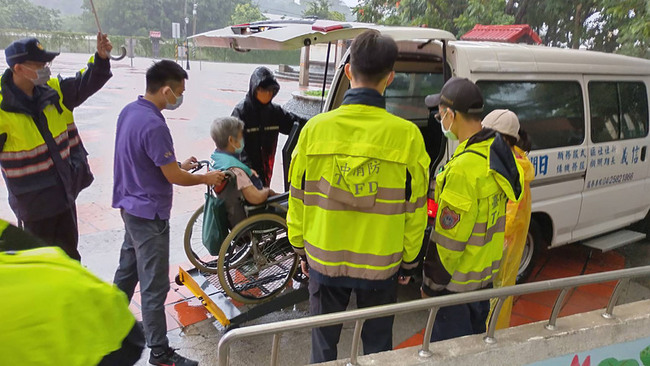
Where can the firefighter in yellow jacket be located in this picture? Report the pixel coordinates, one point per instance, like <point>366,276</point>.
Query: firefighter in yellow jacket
<point>472,191</point>
<point>357,211</point>
<point>56,312</point>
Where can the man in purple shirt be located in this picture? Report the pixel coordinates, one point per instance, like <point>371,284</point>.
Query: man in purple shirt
<point>145,169</point>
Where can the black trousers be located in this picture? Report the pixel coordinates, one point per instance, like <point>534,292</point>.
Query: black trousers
<point>60,230</point>
<point>460,320</point>
<point>130,351</point>
<point>377,334</point>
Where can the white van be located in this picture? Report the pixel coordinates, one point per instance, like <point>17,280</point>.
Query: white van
<point>586,113</point>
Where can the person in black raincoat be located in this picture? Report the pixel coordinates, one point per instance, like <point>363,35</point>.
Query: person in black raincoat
<point>263,120</point>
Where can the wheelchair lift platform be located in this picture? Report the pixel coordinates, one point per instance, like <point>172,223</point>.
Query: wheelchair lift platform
<point>229,313</point>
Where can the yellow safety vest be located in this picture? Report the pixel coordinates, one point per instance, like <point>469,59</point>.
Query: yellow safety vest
<point>469,229</point>
<point>25,152</point>
<point>359,179</point>
<point>55,312</point>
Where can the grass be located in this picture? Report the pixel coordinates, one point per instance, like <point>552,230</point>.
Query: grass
<point>316,93</point>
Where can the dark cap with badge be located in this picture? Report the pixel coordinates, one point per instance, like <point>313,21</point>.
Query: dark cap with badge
<point>459,94</point>
<point>28,49</point>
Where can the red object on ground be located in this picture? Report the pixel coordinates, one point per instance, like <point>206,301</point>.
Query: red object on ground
<point>515,33</point>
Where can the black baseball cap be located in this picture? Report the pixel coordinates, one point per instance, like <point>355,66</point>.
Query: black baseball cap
<point>27,49</point>
<point>459,94</point>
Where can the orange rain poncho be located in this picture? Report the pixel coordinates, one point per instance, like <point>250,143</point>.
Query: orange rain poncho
<point>517,222</point>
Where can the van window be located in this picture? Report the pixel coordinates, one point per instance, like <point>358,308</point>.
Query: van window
<point>405,95</point>
<point>551,112</point>
<point>619,110</point>
<point>405,98</point>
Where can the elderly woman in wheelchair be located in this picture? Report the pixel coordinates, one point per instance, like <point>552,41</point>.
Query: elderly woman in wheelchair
<point>240,233</point>
<point>228,136</point>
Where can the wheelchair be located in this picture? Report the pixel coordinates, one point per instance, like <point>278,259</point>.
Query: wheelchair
<point>255,262</point>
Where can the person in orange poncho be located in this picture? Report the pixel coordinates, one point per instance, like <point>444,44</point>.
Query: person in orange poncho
<point>517,213</point>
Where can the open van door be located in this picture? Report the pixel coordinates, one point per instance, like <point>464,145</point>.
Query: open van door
<point>294,34</point>
<point>287,150</point>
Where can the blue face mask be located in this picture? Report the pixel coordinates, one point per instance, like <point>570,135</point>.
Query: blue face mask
<point>241,146</point>
<point>179,101</point>
<point>447,132</point>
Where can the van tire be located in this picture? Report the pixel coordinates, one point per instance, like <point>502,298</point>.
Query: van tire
<point>533,247</point>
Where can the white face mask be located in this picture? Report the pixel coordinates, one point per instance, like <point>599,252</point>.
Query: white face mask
<point>42,75</point>
<point>179,101</point>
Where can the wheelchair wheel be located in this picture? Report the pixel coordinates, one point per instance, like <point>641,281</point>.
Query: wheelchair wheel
<point>256,261</point>
<point>196,252</point>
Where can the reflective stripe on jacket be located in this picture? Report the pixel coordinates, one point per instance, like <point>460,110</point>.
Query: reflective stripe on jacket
<point>472,191</point>
<point>25,154</point>
<point>359,178</point>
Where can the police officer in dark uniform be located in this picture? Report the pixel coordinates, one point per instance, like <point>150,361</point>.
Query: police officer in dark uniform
<point>42,156</point>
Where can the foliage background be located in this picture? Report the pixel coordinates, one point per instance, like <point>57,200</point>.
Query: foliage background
<point>604,25</point>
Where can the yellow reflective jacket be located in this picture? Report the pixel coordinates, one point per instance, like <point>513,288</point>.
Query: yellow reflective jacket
<point>472,191</point>
<point>359,178</point>
<point>44,177</point>
<point>55,312</point>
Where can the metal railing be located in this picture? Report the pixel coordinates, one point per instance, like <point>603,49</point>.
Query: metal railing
<point>433,304</point>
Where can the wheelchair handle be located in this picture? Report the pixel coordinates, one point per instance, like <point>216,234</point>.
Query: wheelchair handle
<point>200,165</point>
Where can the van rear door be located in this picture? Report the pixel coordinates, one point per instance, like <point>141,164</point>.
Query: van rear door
<point>288,35</point>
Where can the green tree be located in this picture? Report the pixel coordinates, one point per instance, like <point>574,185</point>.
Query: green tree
<point>335,15</point>
<point>430,13</point>
<point>22,14</point>
<point>321,10</point>
<point>138,17</point>
<point>72,23</point>
<point>317,8</point>
<point>575,24</point>
<point>603,25</point>
<point>375,11</point>
<point>246,13</point>
<point>633,31</point>
<point>483,12</point>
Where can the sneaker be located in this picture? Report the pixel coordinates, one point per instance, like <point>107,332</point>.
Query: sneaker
<point>170,358</point>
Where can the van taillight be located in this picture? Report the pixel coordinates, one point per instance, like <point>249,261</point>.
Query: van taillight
<point>432,208</point>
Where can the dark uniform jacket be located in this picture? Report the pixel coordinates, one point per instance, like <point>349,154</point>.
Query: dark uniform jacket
<point>262,125</point>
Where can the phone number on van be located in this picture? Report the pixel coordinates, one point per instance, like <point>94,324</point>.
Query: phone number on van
<point>614,179</point>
